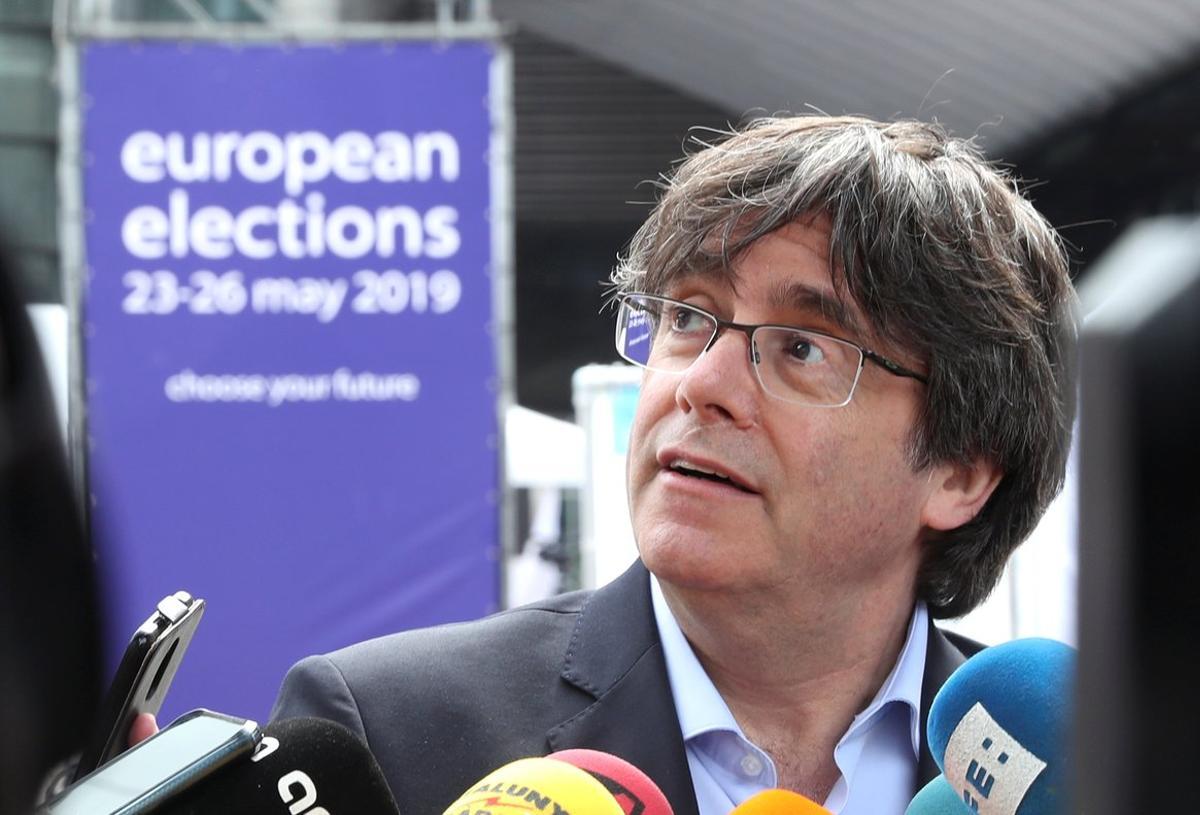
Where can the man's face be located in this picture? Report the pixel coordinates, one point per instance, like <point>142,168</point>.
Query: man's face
<point>826,495</point>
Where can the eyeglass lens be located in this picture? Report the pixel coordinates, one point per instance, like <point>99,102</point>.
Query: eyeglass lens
<point>794,365</point>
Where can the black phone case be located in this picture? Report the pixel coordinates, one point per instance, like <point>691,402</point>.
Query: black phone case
<point>143,677</point>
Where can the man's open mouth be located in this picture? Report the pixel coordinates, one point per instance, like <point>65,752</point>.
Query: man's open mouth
<point>692,470</point>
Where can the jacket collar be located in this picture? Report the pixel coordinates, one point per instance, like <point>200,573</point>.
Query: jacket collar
<point>942,658</point>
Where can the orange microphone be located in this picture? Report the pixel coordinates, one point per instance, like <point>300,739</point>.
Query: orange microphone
<point>778,802</point>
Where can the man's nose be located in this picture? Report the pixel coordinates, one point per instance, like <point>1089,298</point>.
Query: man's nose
<point>722,382</point>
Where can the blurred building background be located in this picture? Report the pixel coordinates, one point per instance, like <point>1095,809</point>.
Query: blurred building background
<point>1093,104</point>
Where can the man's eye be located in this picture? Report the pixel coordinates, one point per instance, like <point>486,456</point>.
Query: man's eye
<point>683,319</point>
<point>804,349</point>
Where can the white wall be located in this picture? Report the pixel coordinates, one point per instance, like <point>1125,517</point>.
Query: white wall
<point>50,325</point>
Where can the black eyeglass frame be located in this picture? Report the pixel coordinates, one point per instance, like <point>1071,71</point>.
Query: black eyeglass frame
<point>889,365</point>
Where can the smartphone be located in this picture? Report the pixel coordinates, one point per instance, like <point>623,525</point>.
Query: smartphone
<point>143,777</point>
<point>143,677</point>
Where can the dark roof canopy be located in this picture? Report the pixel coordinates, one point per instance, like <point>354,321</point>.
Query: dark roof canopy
<point>1006,69</point>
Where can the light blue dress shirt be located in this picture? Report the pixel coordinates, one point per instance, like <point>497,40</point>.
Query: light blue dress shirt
<point>877,756</point>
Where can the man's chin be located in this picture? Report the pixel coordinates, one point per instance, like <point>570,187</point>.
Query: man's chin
<point>695,564</point>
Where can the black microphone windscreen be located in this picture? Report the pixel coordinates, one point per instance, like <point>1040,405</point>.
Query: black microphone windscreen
<point>302,766</point>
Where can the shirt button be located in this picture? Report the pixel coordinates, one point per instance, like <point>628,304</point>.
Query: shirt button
<point>751,765</point>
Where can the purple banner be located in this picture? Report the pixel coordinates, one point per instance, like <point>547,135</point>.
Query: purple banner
<point>289,349</point>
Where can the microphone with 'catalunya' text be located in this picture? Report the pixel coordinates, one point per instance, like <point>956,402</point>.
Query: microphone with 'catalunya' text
<point>302,767</point>
<point>999,729</point>
<point>536,786</point>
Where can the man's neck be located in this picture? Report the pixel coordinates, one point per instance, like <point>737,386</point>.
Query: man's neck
<point>795,678</point>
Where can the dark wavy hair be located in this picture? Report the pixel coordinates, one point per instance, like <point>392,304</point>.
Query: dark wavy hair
<point>946,258</point>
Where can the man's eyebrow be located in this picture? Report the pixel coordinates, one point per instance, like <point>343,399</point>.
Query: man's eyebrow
<point>806,298</point>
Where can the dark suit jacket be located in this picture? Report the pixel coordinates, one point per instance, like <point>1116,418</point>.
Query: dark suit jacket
<point>442,707</point>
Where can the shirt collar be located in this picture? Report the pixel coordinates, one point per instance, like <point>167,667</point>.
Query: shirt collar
<point>698,704</point>
<point>903,684</point>
<point>701,709</point>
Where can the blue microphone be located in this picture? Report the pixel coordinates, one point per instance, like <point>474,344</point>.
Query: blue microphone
<point>937,798</point>
<point>1000,728</point>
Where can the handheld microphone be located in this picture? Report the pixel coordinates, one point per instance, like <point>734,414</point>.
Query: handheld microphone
<point>999,728</point>
<point>778,802</point>
<point>634,790</point>
<point>302,767</point>
<point>536,786</point>
<point>938,798</point>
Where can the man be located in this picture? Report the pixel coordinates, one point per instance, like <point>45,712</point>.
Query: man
<point>857,402</point>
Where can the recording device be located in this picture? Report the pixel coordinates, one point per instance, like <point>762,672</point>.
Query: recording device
<point>536,786</point>
<point>937,798</point>
<point>1139,443</point>
<point>137,781</point>
<point>143,677</point>
<point>1000,726</point>
<point>778,802</point>
<point>303,766</point>
<point>634,790</point>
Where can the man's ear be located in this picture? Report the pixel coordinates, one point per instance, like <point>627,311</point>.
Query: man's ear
<point>959,492</point>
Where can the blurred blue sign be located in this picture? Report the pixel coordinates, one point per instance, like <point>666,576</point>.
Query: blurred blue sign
<point>288,345</point>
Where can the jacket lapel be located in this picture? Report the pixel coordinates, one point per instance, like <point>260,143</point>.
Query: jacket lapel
<point>942,658</point>
<point>616,657</point>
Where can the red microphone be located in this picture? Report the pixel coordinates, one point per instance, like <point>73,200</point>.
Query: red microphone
<point>633,789</point>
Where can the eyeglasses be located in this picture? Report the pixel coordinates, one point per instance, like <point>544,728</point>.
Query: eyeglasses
<point>793,364</point>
